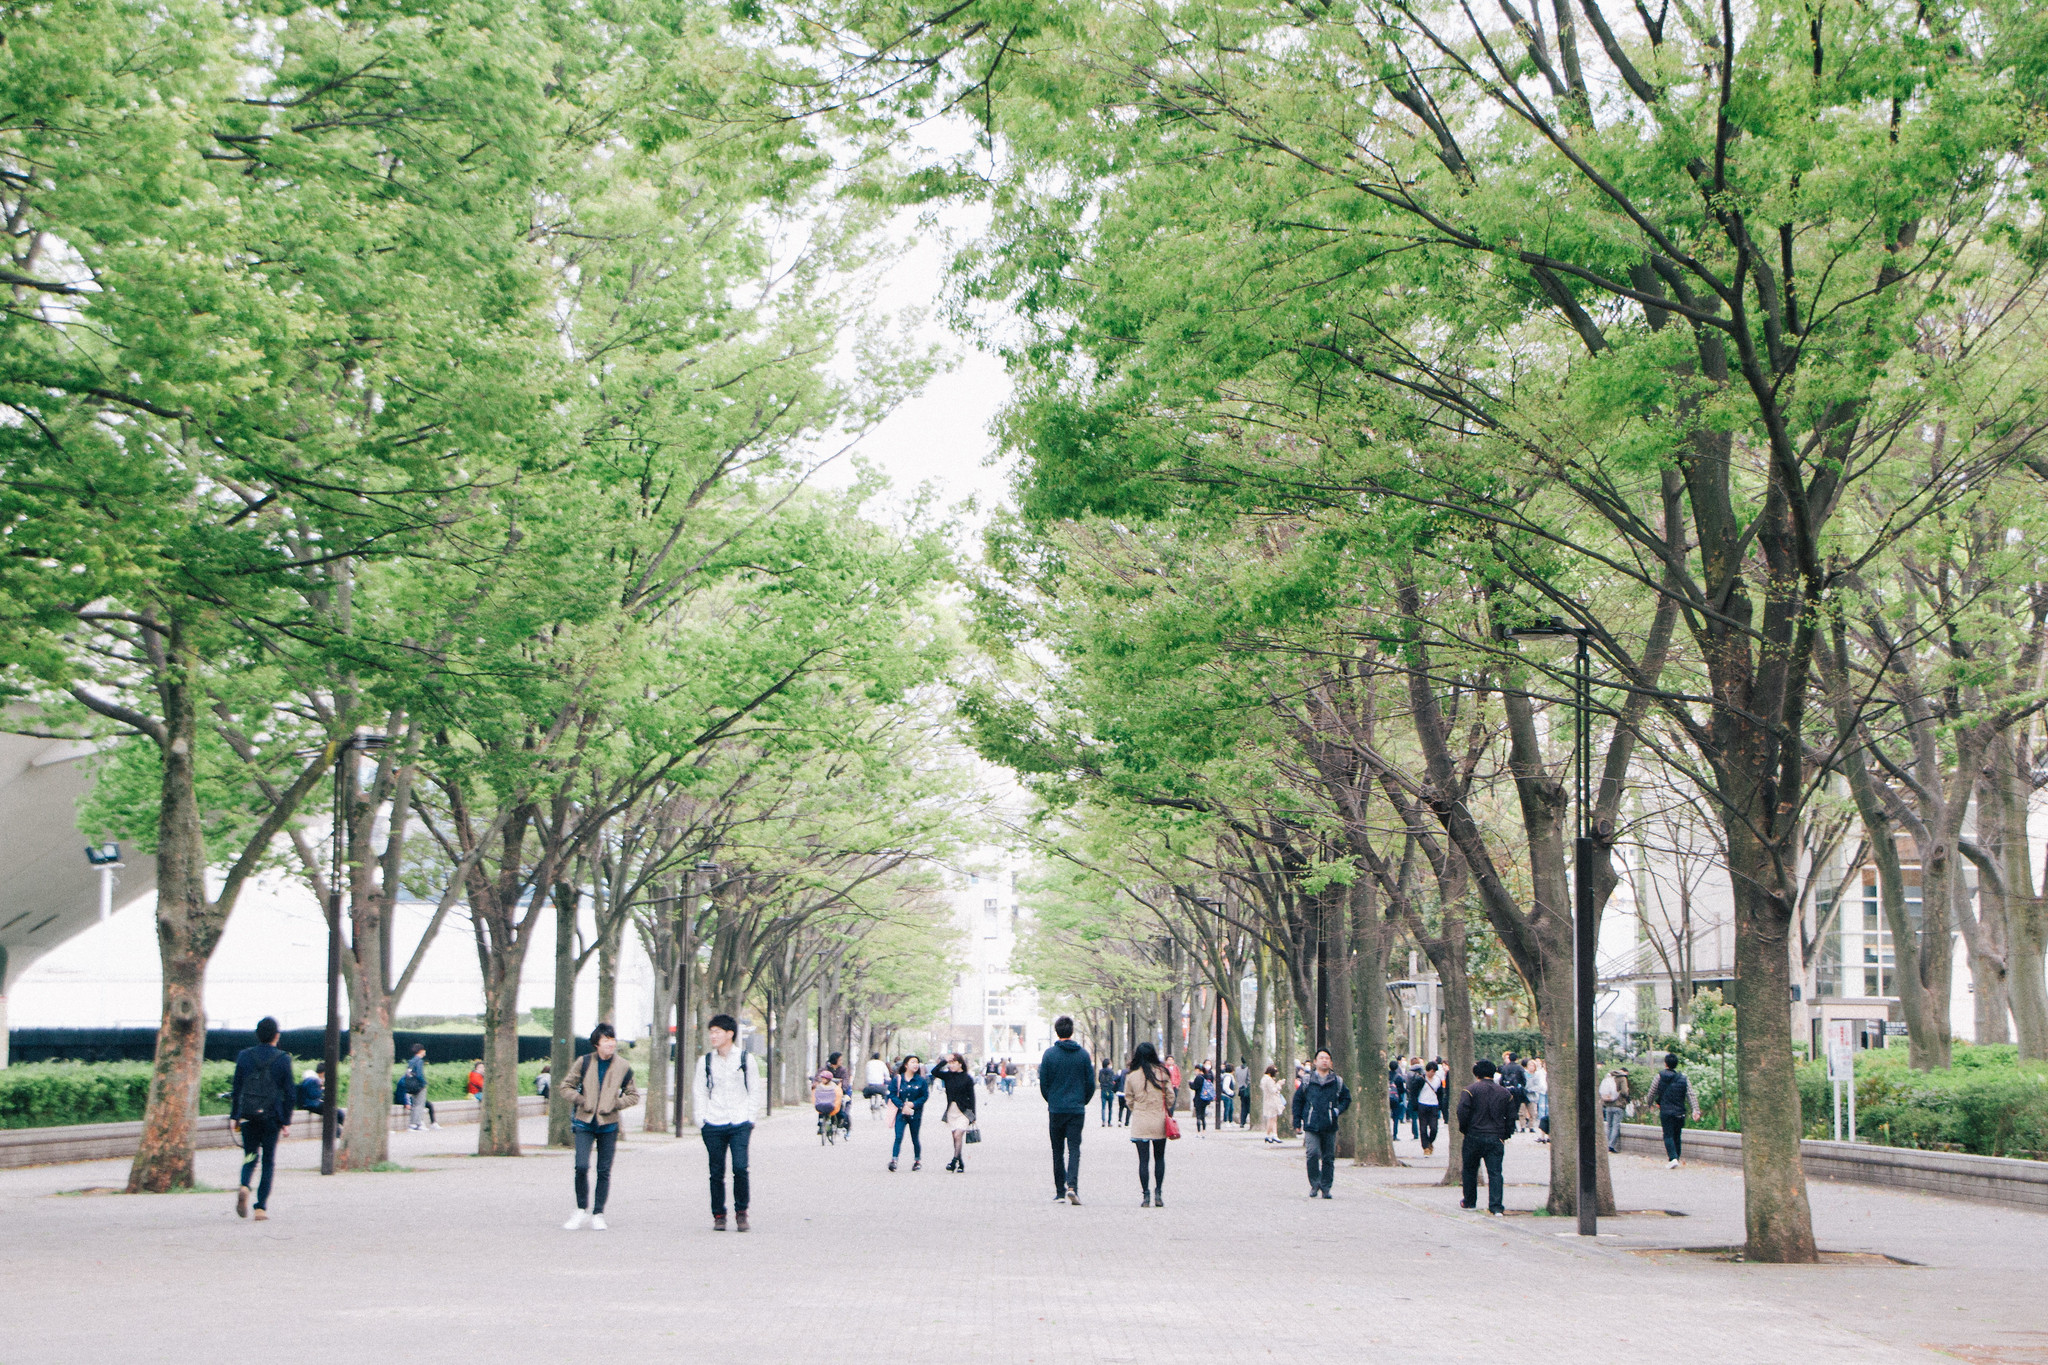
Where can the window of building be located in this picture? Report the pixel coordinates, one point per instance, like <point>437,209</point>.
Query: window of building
<point>991,915</point>
<point>998,1004</point>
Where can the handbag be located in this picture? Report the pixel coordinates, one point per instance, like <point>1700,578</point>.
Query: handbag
<point>1172,1127</point>
<point>973,1135</point>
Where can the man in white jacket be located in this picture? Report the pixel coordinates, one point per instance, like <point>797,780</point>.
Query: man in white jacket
<point>726,1090</point>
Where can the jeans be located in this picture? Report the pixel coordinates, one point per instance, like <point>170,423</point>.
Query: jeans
<point>1674,1135</point>
<point>606,1144</point>
<point>1322,1158</point>
<point>720,1138</point>
<point>422,1113</point>
<point>1430,1113</point>
<point>1108,1100</point>
<point>1613,1113</point>
<point>1065,1131</point>
<point>1155,1177</point>
<point>259,1135</point>
<point>1226,1111</point>
<point>1489,1150</point>
<point>914,1123</point>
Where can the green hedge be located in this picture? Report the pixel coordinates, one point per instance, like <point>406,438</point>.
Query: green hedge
<point>1492,1042</point>
<point>1989,1102</point>
<point>51,1094</point>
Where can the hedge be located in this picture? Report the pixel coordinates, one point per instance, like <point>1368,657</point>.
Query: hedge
<point>50,1094</point>
<point>1493,1043</point>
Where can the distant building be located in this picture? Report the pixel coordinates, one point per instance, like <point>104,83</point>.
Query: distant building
<point>994,1012</point>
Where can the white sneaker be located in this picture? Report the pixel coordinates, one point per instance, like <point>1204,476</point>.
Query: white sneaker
<point>435,1126</point>
<point>412,1127</point>
<point>597,1223</point>
<point>577,1220</point>
<point>1671,1165</point>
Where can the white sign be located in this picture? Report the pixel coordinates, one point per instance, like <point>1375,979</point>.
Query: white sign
<point>1841,1045</point>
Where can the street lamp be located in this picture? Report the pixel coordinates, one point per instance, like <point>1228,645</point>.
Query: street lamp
<point>344,785</point>
<point>1584,941</point>
<point>106,859</point>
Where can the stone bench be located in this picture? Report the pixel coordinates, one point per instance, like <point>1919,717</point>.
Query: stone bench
<point>1961,1175</point>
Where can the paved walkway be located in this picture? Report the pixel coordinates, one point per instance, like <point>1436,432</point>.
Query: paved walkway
<point>464,1259</point>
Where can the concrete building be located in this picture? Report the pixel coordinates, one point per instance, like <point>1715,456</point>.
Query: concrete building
<point>994,1013</point>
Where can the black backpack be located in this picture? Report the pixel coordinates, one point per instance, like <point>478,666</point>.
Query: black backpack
<point>259,1093</point>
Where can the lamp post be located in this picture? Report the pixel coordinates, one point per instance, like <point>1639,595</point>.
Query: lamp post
<point>106,860</point>
<point>344,787</point>
<point>685,954</point>
<point>1585,943</point>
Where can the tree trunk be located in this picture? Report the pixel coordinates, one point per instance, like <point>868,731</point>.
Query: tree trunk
<point>660,1066</point>
<point>1459,1047</point>
<point>1775,1209</point>
<point>562,1053</point>
<point>498,1125</point>
<point>366,1137</point>
<point>608,971</point>
<point>187,929</point>
<point>1364,1005</point>
<point>1283,1055</point>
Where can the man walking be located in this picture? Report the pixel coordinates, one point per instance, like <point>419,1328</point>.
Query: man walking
<point>1105,1089</point>
<point>414,1084</point>
<point>1614,1098</point>
<point>1486,1115</point>
<point>1318,1103</point>
<point>722,1094</point>
<point>260,1110</point>
<point>1066,1077</point>
<point>1671,1093</point>
<point>1244,1094</point>
<point>1515,1078</point>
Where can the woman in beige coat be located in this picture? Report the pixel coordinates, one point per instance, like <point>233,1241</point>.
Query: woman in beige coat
<point>1148,1089</point>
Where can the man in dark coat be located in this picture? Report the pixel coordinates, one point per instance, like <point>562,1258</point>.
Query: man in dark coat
<point>1486,1116</point>
<point>1319,1101</point>
<point>1066,1077</point>
<point>260,1109</point>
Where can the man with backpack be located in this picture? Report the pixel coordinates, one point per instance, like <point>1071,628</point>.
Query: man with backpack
<point>1514,1077</point>
<point>1319,1102</point>
<point>260,1111</point>
<point>1614,1098</point>
<point>1672,1094</point>
<point>726,1100</point>
<point>414,1084</point>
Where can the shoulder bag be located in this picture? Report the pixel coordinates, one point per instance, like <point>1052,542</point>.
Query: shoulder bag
<point>1172,1126</point>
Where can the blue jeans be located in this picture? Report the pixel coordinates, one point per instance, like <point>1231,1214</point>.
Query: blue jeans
<point>719,1140</point>
<point>606,1142</point>
<point>259,1141</point>
<point>913,1124</point>
<point>1108,1098</point>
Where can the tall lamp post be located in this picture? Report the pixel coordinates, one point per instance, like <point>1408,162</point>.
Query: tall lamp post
<point>1585,942</point>
<point>344,787</point>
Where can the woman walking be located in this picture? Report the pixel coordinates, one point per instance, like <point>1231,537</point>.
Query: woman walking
<point>1539,1095</point>
<point>909,1088</point>
<point>1270,1099</point>
<point>959,1111</point>
<point>1202,1088</point>
<point>1149,1089</point>
<point>599,1086</point>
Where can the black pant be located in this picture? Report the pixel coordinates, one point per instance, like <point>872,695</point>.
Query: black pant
<point>1674,1136</point>
<point>1155,1176</point>
<point>606,1144</point>
<point>1201,1115</point>
<point>259,1135</point>
<point>1065,1131</point>
<point>720,1138</point>
<point>1489,1150</point>
<point>1322,1157</point>
<point>1429,1114</point>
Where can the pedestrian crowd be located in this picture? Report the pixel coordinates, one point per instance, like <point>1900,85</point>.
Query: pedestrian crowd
<point>1142,1097</point>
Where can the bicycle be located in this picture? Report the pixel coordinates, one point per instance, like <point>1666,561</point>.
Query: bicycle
<point>828,1128</point>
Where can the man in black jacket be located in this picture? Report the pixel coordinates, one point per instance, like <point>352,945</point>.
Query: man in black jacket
<point>1066,1077</point>
<point>1105,1088</point>
<point>1486,1115</point>
<point>1319,1101</point>
<point>260,1109</point>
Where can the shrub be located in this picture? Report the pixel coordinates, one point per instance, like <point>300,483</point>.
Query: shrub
<point>47,1094</point>
<point>1491,1043</point>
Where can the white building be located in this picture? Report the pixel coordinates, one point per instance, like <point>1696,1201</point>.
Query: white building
<point>994,1014</point>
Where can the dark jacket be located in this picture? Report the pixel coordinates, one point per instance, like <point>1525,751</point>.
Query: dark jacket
<point>1105,1079</point>
<point>1670,1094</point>
<point>910,1090</point>
<point>311,1094</point>
<point>1319,1103</point>
<point>959,1090</point>
<point>1066,1077</point>
<point>1487,1109</point>
<point>1415,1083</point>
<point>251,1065</point>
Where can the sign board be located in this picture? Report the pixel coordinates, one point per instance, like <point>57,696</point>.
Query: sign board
<point>1894,1029</point>
<point>1841,1045</point>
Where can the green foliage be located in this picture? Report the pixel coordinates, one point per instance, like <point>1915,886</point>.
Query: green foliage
<point>1988,1102</point>
<point>1492,1042</point>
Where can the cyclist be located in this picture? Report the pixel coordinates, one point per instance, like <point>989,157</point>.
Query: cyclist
<point>877,1082</point>
<point>840,1076</point>
<point>828,1099</point>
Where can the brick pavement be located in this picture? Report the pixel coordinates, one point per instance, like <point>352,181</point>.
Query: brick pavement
<point>848,1263</point>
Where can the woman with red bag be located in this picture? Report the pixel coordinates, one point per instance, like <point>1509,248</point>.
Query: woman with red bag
<point>1148,1089</point>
